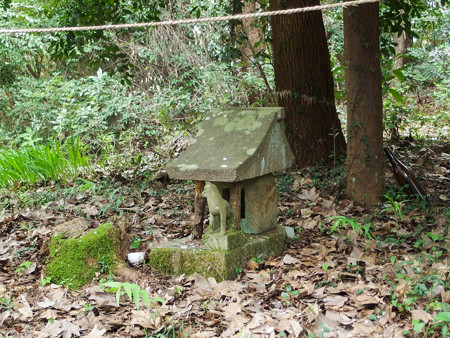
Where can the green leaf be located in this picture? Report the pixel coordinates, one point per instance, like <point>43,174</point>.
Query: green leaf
<point>399,74</point>
<point>418,325</point>
<point>113,285</point>
<point>397,96</point>
<point>118,296</point>
<point>145,298</point>
<point>443,316</point>
<point>159,300</point>
<point>127,287</point>
<point>136,292</point>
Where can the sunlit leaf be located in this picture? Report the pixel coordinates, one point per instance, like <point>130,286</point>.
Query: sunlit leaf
<point>396,95</point>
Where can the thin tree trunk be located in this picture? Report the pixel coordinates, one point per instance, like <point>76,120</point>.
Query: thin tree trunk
<point>404,42</point>
<point>304,84</point>
<point>365,157</point>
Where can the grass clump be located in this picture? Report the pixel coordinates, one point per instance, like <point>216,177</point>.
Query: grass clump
<point>41,163</point>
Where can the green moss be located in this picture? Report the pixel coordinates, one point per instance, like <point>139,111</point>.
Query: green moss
<point>74,261</point>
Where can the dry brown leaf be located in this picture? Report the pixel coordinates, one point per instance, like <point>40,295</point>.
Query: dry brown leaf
<point>335,301</point>
<point>288,260</point>
<point>205,333</point>
<point>252,265</point>
<point>143,319</point>
<point>4,316</point>
<point>23,307</point>
<point>69,330</point>
<point>96,332</point>
<point>91,210</point>
<point>46,303</point>
<point>290,325</point>
<point>49,313</point>
<point>367,300</point>
<point>421,315</point>
<point>309,195</point>
<point>89,321</point>
<point>344,318</point>
<point>232,309</point>
<point>309,223</point>
<point>325,321</point>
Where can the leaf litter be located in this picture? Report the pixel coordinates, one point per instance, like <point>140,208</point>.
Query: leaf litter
<point>339,284</point>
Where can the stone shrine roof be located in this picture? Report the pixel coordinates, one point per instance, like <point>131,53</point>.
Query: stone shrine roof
<point>235,144</point>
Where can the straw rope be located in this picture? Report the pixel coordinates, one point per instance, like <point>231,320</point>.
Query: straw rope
<point>188,21</point>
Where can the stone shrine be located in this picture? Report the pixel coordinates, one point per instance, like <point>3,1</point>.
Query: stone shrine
<point>236,152</point>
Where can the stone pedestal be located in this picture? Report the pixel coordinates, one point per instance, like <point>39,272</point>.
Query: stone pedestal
<point>229,241</point>
<point>220,264</point>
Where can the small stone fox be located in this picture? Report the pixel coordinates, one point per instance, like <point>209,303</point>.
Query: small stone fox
<point>218,207</point>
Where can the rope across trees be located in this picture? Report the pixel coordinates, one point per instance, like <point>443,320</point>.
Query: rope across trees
<point>188,21</point>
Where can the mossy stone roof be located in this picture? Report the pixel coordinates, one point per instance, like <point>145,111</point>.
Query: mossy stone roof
<point>234,145</point>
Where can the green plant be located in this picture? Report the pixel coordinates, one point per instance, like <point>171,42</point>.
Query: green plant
<point>133,292</point>
<point>135,242</point>
<point>258,259</point>
<point>46,280</point>
<point>6,303</point>
<point>23,266</point>
<point>289,294</point>
<point>418,325</point>
<point>407,305</point>
<point>284,183</point>
<point>373,317</point>
<point>395,207</point>
<point>343,221</point>
<point>174,330</point>
<point>37,163</point>
<point>88,307</point>
<point>29,138</point>
<point>442,320</point>
<point>324,330</point>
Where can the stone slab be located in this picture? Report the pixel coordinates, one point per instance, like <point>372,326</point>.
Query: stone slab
<point>219,264</point>
<point>231,240</point>
<point>234,145</point>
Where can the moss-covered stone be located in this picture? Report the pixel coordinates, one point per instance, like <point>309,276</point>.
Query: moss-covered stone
<point>74,261</point>
<point>216,241</point>
<point>219,264</point>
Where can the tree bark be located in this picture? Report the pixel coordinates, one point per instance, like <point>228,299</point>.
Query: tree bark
<point>365,157</point>
<point>304,84</point>
<point>249,34</point>
<point>404,42</point>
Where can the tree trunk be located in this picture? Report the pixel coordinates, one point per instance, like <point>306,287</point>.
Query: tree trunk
<point>304,84</point>
<point>249,35</point>
<point>253,34</point>
<point>365,158</point>
<point>404,42</point>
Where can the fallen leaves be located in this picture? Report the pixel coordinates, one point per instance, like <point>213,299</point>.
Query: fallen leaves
<point>323,284</point>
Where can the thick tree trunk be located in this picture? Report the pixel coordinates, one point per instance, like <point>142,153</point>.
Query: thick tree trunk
<point>365,157</point>
<point>304,84</point>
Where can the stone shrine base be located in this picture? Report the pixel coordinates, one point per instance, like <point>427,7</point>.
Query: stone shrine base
<point>175,260</point>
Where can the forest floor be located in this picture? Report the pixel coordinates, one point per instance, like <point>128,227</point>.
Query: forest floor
<point>382,272</point>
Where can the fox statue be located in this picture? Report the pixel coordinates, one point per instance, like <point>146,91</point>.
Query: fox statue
<point>218,207</point>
